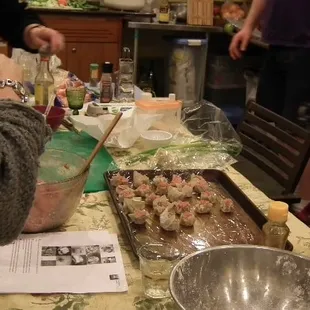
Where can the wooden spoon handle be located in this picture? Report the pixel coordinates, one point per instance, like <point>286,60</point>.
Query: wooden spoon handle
<point>101,142</point>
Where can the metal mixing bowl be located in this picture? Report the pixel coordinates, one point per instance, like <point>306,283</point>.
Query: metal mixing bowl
<point>242,277</point>
<point>58,192</point>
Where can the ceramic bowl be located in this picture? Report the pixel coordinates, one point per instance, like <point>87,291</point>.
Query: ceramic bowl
<point>55,116</point>
<point>154,139</point>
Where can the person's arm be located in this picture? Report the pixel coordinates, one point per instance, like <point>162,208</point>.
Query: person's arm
<point>23,135</point>
<point>14,20</point>
<point>241,40</point>
<point>254,14</point>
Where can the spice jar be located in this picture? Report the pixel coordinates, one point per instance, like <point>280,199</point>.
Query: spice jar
<point>106,92</point>
<point>276,231</point>
<point>94,75</point>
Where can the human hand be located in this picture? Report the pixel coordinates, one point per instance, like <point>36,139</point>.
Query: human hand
<point>239,43</point>
<point>41,37</point>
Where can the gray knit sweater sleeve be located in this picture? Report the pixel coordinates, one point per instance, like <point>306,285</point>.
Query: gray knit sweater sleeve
<point>23,134</point>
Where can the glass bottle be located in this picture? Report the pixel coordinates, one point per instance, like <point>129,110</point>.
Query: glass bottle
<point>44,82</point>
<point>146,83</point>
<point>106,91</point>
<point>164,11</point>
<point>276,231</point>
<point>94,75</point>
<point>27,63</point>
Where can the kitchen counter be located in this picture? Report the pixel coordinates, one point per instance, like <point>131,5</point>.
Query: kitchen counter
<point>175,27</point>
<point>97,213</point>
<point>101,12</point>
<point>188,28</point>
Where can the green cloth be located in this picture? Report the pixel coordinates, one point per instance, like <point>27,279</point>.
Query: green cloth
<point>83,145</point>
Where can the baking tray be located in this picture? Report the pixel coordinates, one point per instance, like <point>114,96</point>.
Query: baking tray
<point>243,226</point>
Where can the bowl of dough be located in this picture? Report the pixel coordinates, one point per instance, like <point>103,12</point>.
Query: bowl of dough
<point>59,189</point>
<point>241,277</point>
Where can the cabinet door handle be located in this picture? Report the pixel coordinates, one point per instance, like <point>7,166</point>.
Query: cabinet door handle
<point>73,50</point>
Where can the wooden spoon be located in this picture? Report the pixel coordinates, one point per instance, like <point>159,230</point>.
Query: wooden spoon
<point>101,142</point>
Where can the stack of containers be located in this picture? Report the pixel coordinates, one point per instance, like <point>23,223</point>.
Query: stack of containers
<point>187,70</point>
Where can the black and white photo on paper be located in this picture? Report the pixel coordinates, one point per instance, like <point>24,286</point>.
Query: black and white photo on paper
<point>63,251</point>
<point>77,255</point>
<point>48,263</point>
<point>109,260</point>
<point>109,248</point>
<point>48,251</point>
<point>114,277</point>
<point>64,260</point>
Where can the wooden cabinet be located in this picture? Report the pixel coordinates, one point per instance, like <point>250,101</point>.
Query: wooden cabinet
<point>80,55</point>
<point>93,39</point>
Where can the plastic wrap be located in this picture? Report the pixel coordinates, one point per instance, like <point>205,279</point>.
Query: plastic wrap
<point>126,132</point>
<point>214,227</point>
<point>206,140</point>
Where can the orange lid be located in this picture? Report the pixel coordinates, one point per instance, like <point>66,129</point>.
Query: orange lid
<point>148,103</point>
<point>158,105</point>
<point>278,212</point>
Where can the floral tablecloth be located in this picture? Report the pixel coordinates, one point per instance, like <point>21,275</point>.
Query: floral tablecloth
<point>96,213</point>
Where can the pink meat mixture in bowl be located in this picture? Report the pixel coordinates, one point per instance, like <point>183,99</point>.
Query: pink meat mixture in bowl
<point>54,204</point>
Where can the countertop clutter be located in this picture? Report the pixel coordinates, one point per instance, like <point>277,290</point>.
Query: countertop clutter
<point>161,193</point>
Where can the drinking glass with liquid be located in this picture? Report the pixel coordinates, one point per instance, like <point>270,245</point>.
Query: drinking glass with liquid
<point>76,97</point>
<point>156,264</point>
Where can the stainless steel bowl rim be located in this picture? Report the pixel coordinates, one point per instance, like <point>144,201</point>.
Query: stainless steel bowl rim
<point>226,247</point>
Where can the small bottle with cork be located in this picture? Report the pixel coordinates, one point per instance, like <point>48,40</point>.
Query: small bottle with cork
<point>106,89</point>
<point>276,231</point>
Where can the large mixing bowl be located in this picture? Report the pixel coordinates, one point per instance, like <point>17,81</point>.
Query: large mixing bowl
<point>242,278</point>
<point>59,190</point>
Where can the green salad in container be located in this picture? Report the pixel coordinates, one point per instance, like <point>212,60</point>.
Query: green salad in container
<point>63,4</point>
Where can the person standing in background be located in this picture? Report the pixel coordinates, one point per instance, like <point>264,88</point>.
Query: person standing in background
<point>22,28</point>
<point>285,78</point>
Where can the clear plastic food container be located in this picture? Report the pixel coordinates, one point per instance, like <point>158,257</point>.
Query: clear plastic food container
<point>168,108</point>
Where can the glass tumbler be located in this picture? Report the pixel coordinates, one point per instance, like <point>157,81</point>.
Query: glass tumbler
<point>156,264</point>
